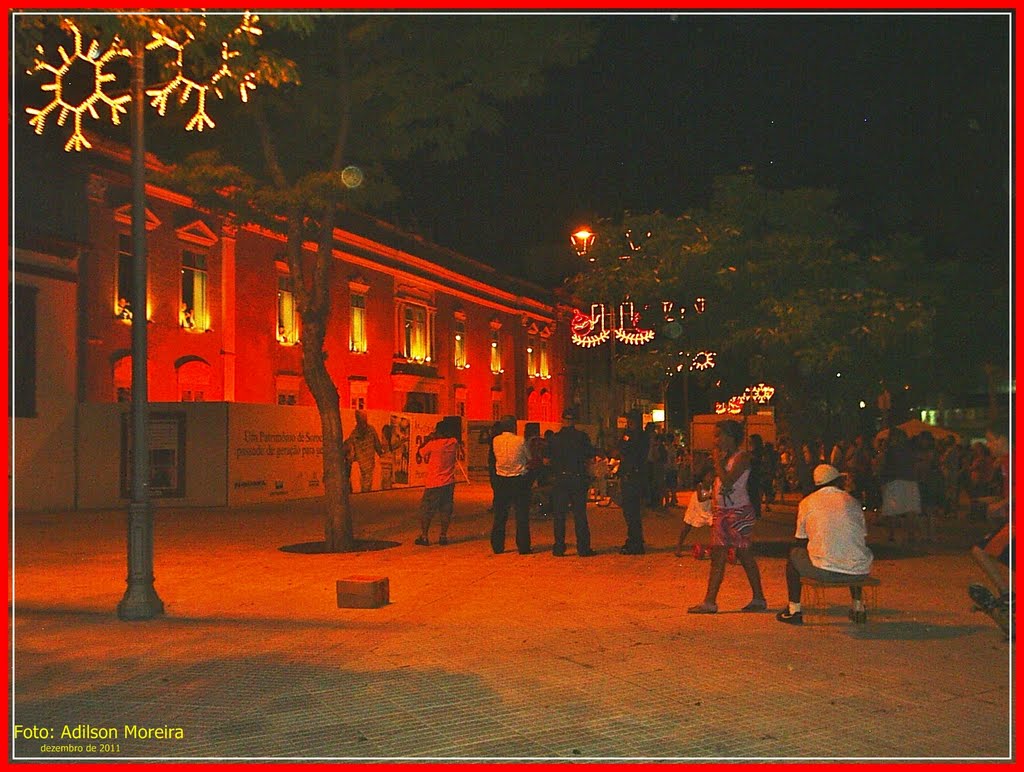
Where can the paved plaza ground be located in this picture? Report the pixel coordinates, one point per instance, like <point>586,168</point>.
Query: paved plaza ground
<point>486,657</point>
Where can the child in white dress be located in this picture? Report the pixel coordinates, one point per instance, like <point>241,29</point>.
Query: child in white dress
<point>698,511</point>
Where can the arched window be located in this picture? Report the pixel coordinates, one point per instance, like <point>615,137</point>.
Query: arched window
<point>123,379</point>
<point>193,380</point>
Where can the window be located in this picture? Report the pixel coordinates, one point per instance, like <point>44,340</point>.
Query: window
<point>544,369</point>
<point>496,352</point>
<point>358,387</point>
<point>357,338</point>
<point>193,314</point>
<point>123,379</point>
<point>532,358</point>
<point>125,277</point>
<point>420,402</point>
<point>287,317</point>
<point>24,381</point>
<point>193,380</point>
<point>460,345</point>
<point>286,386</point>
<point>416,334</point>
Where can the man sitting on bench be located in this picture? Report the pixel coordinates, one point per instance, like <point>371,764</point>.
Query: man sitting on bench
<point>830,545</point>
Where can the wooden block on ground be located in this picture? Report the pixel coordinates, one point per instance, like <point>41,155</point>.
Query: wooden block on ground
<point>363,592</point>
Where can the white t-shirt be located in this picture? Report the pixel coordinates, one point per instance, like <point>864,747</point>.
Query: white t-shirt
<point>832,521</point>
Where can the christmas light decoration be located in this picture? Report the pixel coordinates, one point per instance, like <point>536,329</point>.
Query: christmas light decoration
<point>700,305</point>
<point>246,81</point>
<point>584,328</point>
<point>703,360</point>
<point>635,337</point>
<point>91,57</point>
<point>762,393</point>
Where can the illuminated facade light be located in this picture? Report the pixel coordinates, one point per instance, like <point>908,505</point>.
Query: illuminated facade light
<point>91,57</point>
<point>246,80</point>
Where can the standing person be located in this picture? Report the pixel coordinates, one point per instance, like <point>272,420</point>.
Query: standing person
<point>671,465</point>
<point>755,483</point>
<point>633,480</point>
<point>440,453</point>
<point>901,495</point>
<point>830,533</point>
<point>487,438</point>
<point>570,451</point>
<point>511,487</point>
<point>733,518</point>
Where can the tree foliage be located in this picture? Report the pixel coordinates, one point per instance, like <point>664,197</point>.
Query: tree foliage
<point>792,297</point>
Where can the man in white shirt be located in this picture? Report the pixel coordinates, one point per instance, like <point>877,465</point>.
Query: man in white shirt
<point>830,533</point>
<point>511,487</point>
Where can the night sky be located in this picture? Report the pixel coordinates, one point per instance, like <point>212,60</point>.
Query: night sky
<point>907,116</point>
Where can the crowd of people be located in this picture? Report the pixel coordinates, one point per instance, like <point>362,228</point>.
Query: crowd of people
<point>904,479</point>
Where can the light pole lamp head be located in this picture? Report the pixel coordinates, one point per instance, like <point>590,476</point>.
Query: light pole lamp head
<point>582,240</point>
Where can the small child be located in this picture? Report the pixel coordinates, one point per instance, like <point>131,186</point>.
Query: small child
<point>698,511</point>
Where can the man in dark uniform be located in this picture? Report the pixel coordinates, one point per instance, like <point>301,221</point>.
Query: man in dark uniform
<point>632,468</point>
<point>569,451</point>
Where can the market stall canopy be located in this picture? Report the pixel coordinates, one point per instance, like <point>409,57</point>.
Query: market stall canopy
<point>914,426</point>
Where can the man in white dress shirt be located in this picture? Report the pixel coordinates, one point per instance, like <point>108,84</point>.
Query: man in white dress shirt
<point>511,487</point>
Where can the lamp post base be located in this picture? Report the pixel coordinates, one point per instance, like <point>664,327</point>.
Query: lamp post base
<point>140,602</point>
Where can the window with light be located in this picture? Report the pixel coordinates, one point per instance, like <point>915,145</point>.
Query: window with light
<point>495,352</point>
<point>357,338</point>
<point>193,313</point>
<point>460,345</point>
<point>545,372</point>
<point>532,358</point>
<point>416,334</point>
<point>287,317</point>
<point>125,274</point>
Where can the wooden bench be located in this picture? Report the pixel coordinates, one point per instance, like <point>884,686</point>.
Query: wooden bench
<point>819,589</point>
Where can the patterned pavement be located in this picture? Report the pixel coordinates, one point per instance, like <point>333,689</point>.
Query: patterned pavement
<point>483,657</point>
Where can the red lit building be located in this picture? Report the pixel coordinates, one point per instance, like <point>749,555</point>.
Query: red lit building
<point>414,327</point>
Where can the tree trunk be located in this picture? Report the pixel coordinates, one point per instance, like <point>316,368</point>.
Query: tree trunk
<point>337,515</point>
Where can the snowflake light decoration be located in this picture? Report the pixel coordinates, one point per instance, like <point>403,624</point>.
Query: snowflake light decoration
<point>90,56</point>
<point>246,81</point>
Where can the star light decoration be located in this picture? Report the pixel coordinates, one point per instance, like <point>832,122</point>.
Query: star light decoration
<point>92,57</point>
<point>761,393</point>
<point>246,81</point>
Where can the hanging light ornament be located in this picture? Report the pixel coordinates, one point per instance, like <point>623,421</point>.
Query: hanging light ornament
<point>703,360</point>
<point>584,328</point>
<point>91,57</point>
<point>246,80</point>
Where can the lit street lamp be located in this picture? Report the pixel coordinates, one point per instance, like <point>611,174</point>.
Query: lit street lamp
<point>582,240</point>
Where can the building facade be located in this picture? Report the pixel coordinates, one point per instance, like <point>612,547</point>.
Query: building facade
<point>413,327</point>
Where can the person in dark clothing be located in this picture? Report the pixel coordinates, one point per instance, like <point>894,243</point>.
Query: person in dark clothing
<point>487,438</point>
<point>569,451</point>
<point>755,483</point>
<point>633,473</point>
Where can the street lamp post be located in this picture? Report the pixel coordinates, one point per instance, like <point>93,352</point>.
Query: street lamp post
<point>140,599</point>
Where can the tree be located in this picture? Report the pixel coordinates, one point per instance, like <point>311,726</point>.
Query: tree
<point>369,90</point>
<point>791,300</point>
